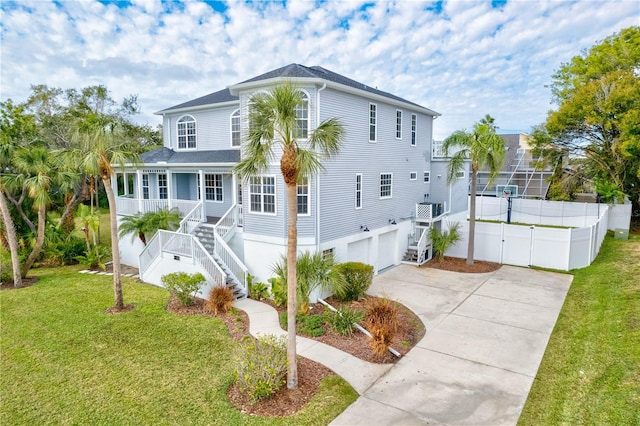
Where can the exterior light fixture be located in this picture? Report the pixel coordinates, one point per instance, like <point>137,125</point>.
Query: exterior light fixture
<point>364,228</point>
<point>392,221</point>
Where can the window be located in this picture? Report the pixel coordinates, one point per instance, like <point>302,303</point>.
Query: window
<point>358,191</point>
<point>328,253</point>
<point>413,176</point>
<point>302,118</point>
<point>303,197</point>
<point>373,132</point>
<point>162,186</point>
<point>427,177</point>
<point>213,187</point>
<point>460,174</point>
<point>235,128</point>
<point>414,126</point>
<point>145,186</point>
<point>262,194</point>
<point>120,184</point>
<point>398,124</point>
<point>386,180</point>
<point>130,184</point>
<point>187,132</point>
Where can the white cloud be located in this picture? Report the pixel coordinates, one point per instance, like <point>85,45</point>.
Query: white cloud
<point>464,62</point>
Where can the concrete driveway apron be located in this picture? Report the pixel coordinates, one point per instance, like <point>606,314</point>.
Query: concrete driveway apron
<point>485,337</point>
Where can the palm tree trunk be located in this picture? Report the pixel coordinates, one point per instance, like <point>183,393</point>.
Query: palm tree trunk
<point>115,250</point>
<point>39,242</point>
<point>472,217</point>
<point>292,253</point>
<point>67,223</point>
<point>12,239</point>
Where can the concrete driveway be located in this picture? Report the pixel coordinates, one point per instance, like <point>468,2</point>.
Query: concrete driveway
<point>485,337</point>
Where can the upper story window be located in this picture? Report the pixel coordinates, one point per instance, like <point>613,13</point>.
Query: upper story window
<point>413,176</point>
<point>187,132</point>
<point>426,177</point>
<point>303,197</point>
<point>373,122</point>
<point>235,128</point>
<point>262,194</point>
<point>386,183</point>
<point>398,124</point>
<point>460,174</point>
<point>414,128</point>
<point>302,118</point>
<point>358,191</point>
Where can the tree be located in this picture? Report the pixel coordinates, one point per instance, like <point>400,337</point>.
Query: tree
<point>598,116</point>
<point>273,122</point>
<point>149,223</point>
<point>483,148</point>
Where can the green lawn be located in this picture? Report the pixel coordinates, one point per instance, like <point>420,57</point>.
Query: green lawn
<point>64,361</point>
<point>590,373</point>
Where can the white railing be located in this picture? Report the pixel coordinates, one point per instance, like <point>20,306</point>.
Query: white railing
<point>185,206</point>
<point>437,149</point>
<point>207,262</point>
<point>150,252</point>
<point>192,219</point>
<point>422,247</point>
<point>127,206</point>
<point>176,243</point>
<point>153,205</point>
<point>130,206</point>
<point>426,212</point>
<point>240,216</point>
<point>227,223</point>
<point>229,258</point>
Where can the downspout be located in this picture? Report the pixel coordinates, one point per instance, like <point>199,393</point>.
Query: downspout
<point>324,86</point>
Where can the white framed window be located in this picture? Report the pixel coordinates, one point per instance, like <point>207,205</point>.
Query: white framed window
<point>186,132</point>
<point>373,122</point>
<point>426,177</point>
<point>303,198</point>
<point>120,184</point>
<point>386,185</point>
<point>414,129</point>
<point>358,191</point>
<point>328,253</point>
<point>213,187</point>
<point>413,176</point>
<point>302,117</point>
<point>398,124</point>
<point>235,128</point>
<point>163,192</point>
<point>460,174</point>
<point>145,186</point>
<point>262,194</point>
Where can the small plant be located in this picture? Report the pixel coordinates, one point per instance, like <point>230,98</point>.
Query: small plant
<point>442,241</point>
<point>278,291</point>
<point>344,320</point>
<point>261,366</point>
<point>183,285</point>
<point>308,325</point>
<point>357,280</point>
<point>381,320</point>
<point>258,291</point>
<point>220,300</point>
<point>95,257</point>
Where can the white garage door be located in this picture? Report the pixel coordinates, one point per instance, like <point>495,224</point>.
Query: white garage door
<point>358,251</point>
<point>387,249</point>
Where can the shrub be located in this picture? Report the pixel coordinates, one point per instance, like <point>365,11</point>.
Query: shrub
<point>95,257</point>
<point>258,291</point>
<point>261,366</point>
<point>64,251</point>
<point>381,320</point>
<point>278,291</point>
<point>442,241</point>
<point>344,320</point>
<point>220,300</point>
<point>357,280</point>
<point>308,325</point>
<point>6,271</point>
<point>183,285</point>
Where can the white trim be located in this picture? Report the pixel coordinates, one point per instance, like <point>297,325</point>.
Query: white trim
<point>205,186</point>
<point>414,129</point>
<point>308,97</point>
<point>386,197</point>
<point>187,110</point>
<point>308,195</point>
<point>375,123</point>
<point>426,176</point>
<point>460,174</point>
<point>231,117</point>
<point>413,175</point>
<point>275,196</point>
<point>186,135</point>
<point>356,190</point>
<point>399,125</point>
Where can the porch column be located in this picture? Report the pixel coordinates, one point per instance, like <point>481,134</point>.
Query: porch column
<point>169,188</point>
<point>139,181</point>
<point>234,186</point>
<point>201,174</point>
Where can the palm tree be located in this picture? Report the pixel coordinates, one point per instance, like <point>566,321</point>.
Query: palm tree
<point>272,122</point>
<point>149,223</point>
<point>484,148</point>
<point>99,144</point>
<point>12,237</point>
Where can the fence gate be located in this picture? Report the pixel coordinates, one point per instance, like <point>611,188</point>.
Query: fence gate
<point>516,245</point>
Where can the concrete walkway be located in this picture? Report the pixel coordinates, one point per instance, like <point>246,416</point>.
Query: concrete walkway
<point>485,337</point>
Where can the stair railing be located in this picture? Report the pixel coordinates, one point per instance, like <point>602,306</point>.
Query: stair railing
<point>192,219</point>
<point>148,255</point>
<point>422,247</point>
<point>227,223</point>
<point>229,258</point>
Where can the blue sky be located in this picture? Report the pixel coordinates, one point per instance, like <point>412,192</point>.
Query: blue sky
<point>463,59</point>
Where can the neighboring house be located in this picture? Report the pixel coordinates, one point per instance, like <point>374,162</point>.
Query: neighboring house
<point>372,203</point>
<point>521,169</point>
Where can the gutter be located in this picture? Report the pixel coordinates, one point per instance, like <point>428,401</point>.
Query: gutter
<point>324,86</point>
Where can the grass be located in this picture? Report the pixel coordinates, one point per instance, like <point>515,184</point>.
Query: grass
<point>590,373</point>
<point>64,361</point>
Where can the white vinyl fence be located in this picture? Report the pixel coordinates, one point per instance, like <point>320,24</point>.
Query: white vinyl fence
<point>535,244</point>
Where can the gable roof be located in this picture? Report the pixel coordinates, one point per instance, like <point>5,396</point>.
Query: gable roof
<point>291,71</point>
<point>169,156</point>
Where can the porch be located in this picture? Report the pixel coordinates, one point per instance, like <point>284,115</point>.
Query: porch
<point>419,248</point>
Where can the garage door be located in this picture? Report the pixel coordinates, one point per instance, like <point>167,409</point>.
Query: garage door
<point>358,251</point>
<point>387,249</point>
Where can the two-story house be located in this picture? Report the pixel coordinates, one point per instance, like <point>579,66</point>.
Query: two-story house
<point>372,203</point>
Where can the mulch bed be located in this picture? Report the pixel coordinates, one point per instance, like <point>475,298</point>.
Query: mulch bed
<point>457,264</point>
<point>26,282</point>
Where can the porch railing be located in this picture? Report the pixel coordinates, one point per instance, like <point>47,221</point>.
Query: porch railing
<point>130,206</point>
<point>429,211</point>
<point>192,219</point>
<point>149,254</point>
<point>227,223</point>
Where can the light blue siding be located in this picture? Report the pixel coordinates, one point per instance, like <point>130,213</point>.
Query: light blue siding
<point>213,129</point>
